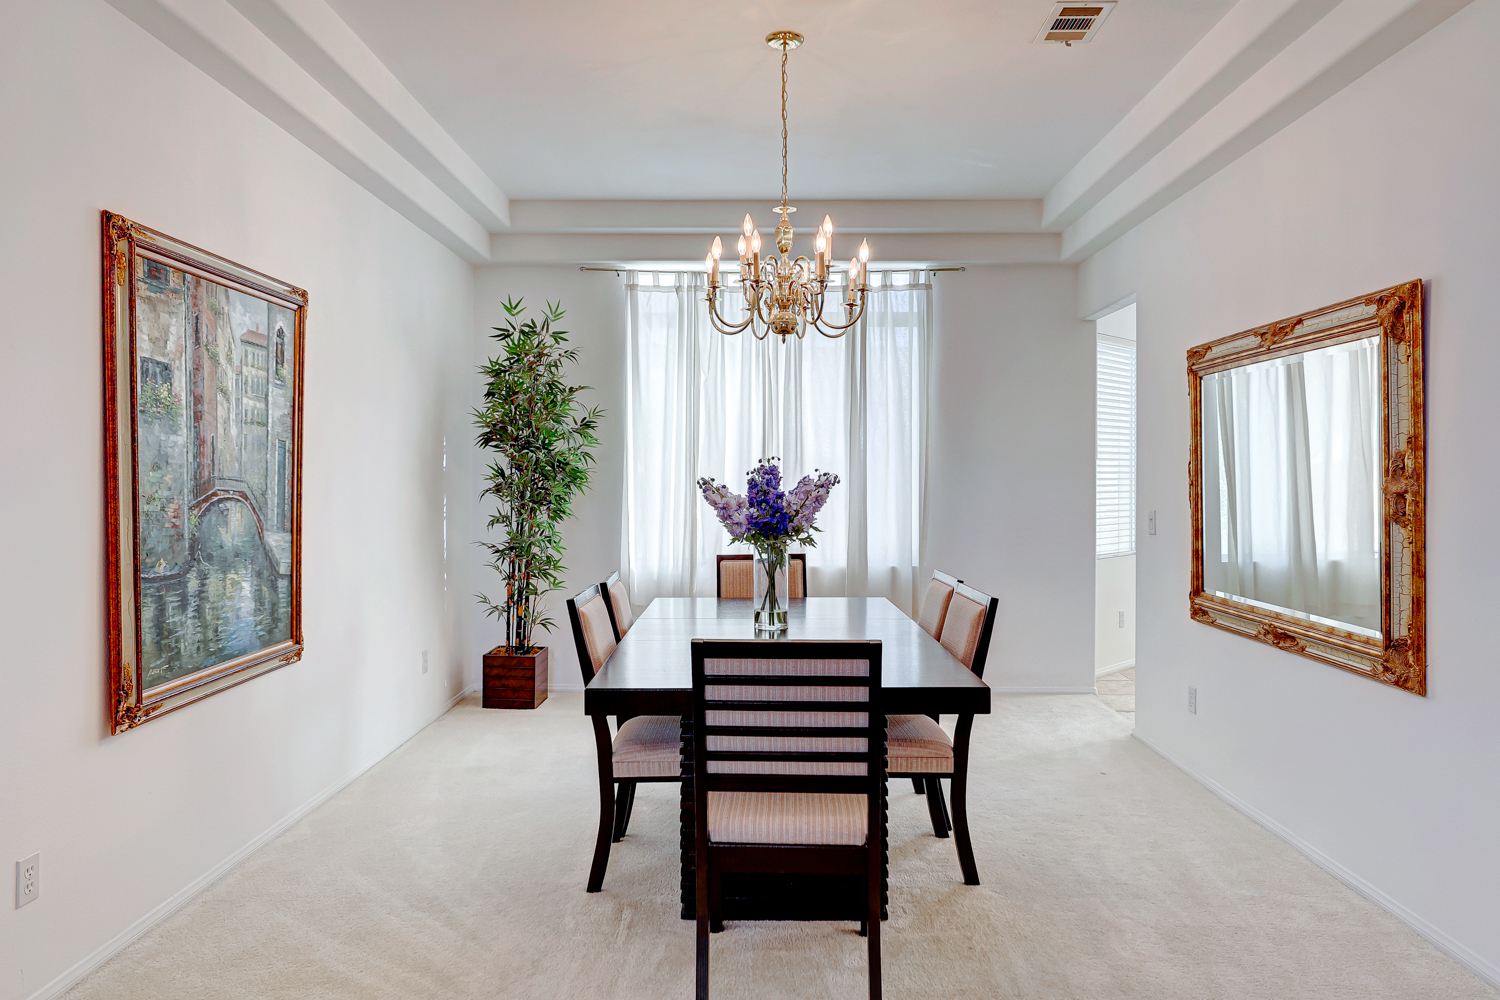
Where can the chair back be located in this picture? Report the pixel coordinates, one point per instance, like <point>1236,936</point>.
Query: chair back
<point>736,578</point>
<point>788,716</point>
<point>593,629</point>
<point>968,626</point>
<point>618,604</point>
<point>935,603</point>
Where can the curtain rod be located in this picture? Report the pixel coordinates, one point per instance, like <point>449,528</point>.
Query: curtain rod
<point>932,269</point>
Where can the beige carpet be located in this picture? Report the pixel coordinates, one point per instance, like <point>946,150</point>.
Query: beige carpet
<point>456,867</point>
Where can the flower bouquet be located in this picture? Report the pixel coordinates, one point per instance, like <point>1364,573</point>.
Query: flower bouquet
<point>768,520</point>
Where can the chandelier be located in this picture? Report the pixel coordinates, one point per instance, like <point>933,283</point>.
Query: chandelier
<point>783,295</point>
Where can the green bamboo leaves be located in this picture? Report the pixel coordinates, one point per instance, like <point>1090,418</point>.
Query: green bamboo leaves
<point>544,439</point>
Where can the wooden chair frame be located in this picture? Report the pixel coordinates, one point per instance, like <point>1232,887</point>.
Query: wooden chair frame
<point>609,603</point>
<point>715,858</point>
<point>800,558</point>
<point>614,809</point>
<point>931,784</point>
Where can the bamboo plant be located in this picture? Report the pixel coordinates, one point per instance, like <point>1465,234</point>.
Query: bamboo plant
<point>543,436</point>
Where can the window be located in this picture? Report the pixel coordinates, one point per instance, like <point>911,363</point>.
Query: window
<point>700,403</point>
<point>1114,456</point>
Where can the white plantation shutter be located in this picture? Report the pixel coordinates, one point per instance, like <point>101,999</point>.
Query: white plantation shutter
<point>1114,460</point>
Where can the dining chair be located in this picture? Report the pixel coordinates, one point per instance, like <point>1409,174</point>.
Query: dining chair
<point>644,748</point>
<point>935,603</point>
<point>621,616</point>
<point>735,579</point>
<point>918,748</point>
<point>789,755</point>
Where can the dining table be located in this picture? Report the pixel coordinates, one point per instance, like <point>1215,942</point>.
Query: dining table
<point>650,673</point>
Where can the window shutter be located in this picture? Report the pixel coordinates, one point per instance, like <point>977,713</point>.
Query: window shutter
<point>1114,460</point>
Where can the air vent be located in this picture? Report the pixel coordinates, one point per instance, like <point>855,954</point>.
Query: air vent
<point>1074,22</point>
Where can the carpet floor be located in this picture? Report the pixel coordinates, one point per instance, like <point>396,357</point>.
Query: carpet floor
<point>455,868</point>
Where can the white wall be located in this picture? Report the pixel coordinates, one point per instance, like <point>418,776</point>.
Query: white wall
<point>1010,481</point>
<point>595,321</point>
<point>1392,179</point>
<point>1114,592</point>
<point>98,115</point>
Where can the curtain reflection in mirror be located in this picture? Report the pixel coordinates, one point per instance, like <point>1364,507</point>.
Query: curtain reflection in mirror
<point>1291,484</point>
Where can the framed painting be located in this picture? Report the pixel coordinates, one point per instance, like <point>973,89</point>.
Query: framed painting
<point>203,460</point>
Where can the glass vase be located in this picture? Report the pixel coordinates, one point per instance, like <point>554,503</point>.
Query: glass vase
<point>771,590</point>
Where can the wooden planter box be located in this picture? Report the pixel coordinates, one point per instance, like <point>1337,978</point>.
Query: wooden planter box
<point>515,681</point>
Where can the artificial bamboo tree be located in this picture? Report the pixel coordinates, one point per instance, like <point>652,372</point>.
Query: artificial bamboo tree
<point>544,438</point>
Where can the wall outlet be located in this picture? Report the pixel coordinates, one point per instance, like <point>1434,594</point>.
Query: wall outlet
<point>424,661</point>
<point>1151,522</point>
<point>28,879</point>
<point>1192,699</point>
<point>1122,619</point>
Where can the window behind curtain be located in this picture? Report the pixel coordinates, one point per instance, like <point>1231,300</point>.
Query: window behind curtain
<point>704,404</point>
<point>1114,462</point>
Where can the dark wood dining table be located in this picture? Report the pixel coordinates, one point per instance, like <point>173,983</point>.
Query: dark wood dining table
<point>650,673</point>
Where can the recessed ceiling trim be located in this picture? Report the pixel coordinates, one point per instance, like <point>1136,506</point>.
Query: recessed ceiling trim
<point>1354,38</point>
<point>221,41</point>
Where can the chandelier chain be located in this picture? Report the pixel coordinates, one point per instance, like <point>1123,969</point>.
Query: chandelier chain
<point>784,48</point>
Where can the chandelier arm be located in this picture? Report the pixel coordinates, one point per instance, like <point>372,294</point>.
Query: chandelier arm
<point>722,325</point>
<point>821,321</point>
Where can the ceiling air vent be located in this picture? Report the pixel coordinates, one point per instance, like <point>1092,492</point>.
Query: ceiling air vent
<point>1074,22</point>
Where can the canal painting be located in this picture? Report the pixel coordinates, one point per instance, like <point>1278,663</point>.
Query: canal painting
<point>214,491</point>
<point>202,430</point>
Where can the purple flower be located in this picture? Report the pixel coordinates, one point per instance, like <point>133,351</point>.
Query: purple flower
<point>732,509</point>
<point>768,513</point>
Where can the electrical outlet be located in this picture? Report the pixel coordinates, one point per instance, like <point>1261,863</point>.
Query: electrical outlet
<point>424,661</point>
<point>1151,522</point>
<point>1122,619</point>
<point>1192,699</point>
<point>28,879</point>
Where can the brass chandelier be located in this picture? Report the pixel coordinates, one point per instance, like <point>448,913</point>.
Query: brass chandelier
<point>785,296</point>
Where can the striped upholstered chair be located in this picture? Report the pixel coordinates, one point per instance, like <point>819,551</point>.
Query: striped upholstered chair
<point>788,744</point>
<point>918,748</point>
<point>645,748</point>
<point>617,603</point>
<point>935,603</point>
<point>736,579</point>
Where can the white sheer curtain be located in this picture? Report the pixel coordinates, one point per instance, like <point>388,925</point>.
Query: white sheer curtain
<point>1298,481</point>
<point>700,403</point>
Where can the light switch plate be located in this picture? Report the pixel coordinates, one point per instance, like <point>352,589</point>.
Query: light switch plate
<point>1151,522</point>
<point>1192,699</point>
<point>28,879</point>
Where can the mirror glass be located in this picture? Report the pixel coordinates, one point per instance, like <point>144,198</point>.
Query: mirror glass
<point>1292,510</point>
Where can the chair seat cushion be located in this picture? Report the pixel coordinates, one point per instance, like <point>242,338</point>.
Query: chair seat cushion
<point>649,746</point>
<point>917,745</point>
<point>787,818</point>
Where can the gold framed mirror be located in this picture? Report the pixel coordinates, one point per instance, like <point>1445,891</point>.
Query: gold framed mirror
<point>1306,485</point>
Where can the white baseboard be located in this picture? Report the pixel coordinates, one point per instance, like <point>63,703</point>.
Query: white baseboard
<point>113,946</point>
<point>1465,956</point>
<point>1002,689</point>
<point>1114,668</point>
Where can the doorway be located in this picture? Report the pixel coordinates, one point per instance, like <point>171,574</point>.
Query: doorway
<point>1114,490</point>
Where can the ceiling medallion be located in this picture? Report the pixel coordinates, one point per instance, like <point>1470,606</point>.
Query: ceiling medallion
<point>784,296</point>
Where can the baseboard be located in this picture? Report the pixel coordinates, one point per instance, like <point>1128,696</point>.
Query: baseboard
<point>1463,955</point>
<point>110,948</point>
<point>1114,668</point>
<point>1002,689</point>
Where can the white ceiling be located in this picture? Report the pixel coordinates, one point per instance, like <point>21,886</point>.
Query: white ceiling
<point>570,99</point>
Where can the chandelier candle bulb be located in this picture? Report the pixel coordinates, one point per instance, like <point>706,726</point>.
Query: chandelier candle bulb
<point>742,249</point>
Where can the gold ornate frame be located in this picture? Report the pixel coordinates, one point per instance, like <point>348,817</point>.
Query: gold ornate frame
<point>125,245</point>
<point>1399,657</point>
